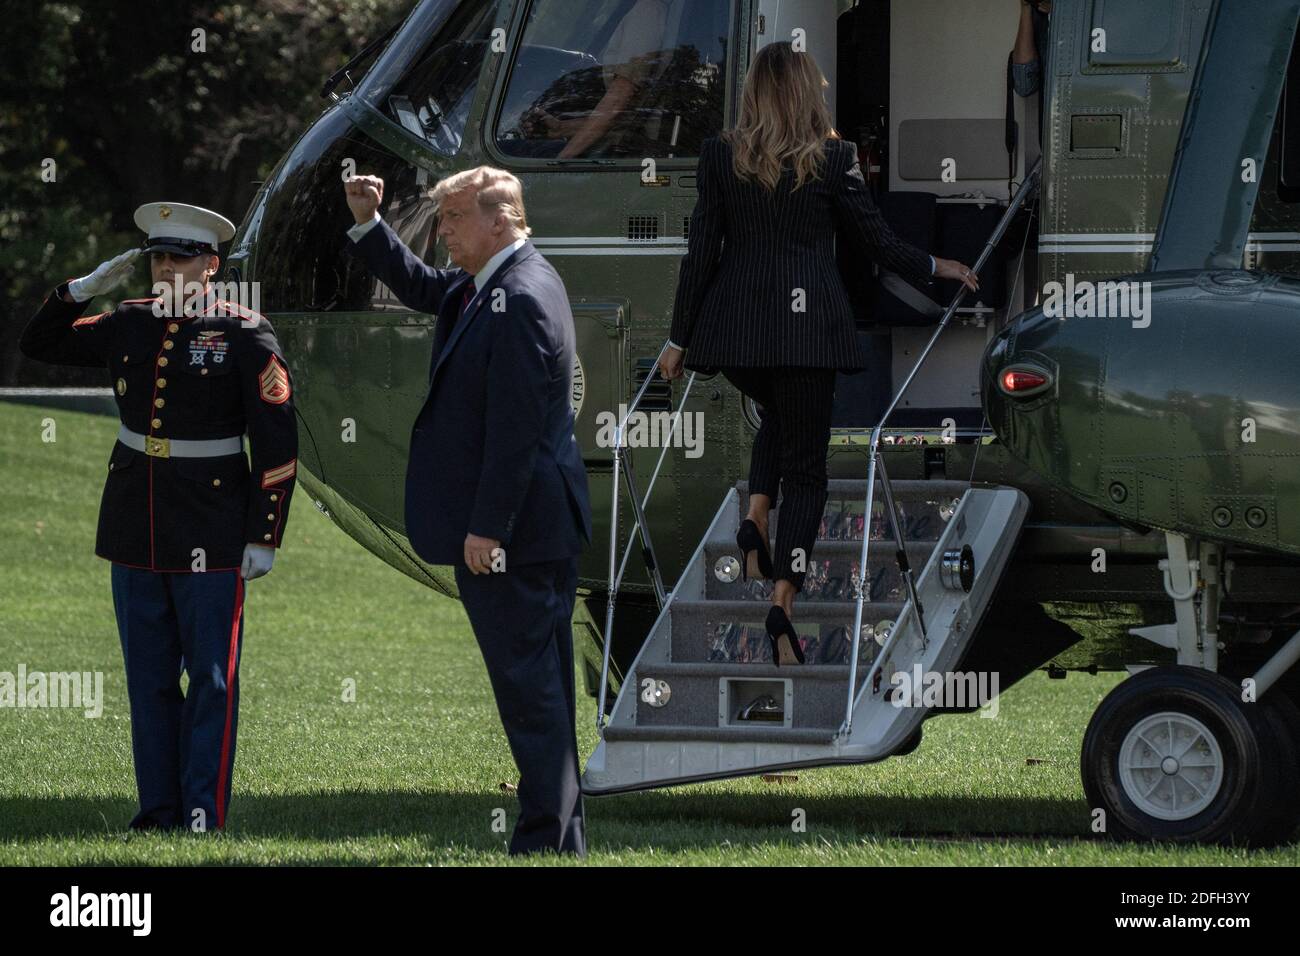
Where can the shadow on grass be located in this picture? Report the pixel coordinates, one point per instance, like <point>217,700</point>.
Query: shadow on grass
<point>654,819</point>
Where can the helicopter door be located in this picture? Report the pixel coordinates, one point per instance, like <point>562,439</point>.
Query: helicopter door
<point>807,22</point>
<point>940,106</point>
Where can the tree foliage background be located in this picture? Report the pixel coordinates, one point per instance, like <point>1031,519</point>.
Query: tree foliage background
<point>113,92</point>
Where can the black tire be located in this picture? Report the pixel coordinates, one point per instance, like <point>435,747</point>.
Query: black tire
<point>1240,810</point>
<point>1283,715</point>
<point>1283,814</point>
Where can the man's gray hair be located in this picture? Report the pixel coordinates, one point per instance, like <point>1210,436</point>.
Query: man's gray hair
<point>496,188</point>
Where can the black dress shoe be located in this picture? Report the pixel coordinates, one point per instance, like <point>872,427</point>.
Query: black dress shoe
<point>778,626</point>
<point>751,544</point>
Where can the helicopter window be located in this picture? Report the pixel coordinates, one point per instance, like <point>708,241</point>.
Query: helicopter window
<point>1288,130</point>
<point>1150,36</point>
<point>434,96</point>
<point>612,78</point>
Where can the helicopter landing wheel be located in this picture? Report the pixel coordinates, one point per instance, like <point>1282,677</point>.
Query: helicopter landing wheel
<point>1173,754</point>
<point>1284,719</point>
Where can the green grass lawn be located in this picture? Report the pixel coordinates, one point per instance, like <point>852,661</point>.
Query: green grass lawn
<point>411,772</point>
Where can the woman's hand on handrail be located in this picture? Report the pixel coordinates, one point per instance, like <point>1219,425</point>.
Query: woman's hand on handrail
<point>670,363</point>
<point>952,269</point>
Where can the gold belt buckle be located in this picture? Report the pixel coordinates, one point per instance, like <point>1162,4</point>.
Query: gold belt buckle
<point>158,447</point>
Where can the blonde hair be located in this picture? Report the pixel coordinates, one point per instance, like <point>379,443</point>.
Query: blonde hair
<point>496,189</point>
<point>783,116</point>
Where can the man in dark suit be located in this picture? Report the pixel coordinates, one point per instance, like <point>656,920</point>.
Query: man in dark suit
<point>495,483</point>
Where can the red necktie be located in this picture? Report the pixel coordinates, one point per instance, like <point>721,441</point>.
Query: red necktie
<point>464,304</point>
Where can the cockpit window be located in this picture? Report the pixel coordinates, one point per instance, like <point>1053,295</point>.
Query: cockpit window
<point>431,93</point>
<point>616,78</point>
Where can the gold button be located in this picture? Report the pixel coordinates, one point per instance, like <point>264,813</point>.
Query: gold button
<point>162,360</point>
<point>168,343</point>
<point>216,482</point>
<point>173,327</point>
<point>275,497</point>
<point>203,371</point>
<point>270,517</point>
<point>159,403</point>
<point>156,423</point>
<point>266,537</point>
<point>162,383</point>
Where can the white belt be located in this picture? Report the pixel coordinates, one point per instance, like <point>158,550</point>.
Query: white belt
<point>180,447</point>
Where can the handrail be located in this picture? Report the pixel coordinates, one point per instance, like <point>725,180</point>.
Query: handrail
<point>876,460</point>
<point>640,525</point>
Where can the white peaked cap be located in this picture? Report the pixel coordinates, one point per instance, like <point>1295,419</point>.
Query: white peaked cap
<point>163,221</point>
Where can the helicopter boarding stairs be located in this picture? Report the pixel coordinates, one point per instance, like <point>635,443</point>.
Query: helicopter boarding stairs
<point>704,700</point>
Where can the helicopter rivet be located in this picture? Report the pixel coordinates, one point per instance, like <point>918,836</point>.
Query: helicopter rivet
<point>726,569</point>
<point>1118,493</point>
<point>1256,517</point>
<point>1221,516</point>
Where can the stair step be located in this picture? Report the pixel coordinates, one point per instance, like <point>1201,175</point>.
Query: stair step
<point>713,695</point>
<point>925,506</point>
<point>902,488</point>
<point>832,574</point>
<point>755,735</point>
<point>733,632</point>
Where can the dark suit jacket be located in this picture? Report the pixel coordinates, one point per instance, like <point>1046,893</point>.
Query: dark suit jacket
<point>750,250</point>
<point>492,449</point>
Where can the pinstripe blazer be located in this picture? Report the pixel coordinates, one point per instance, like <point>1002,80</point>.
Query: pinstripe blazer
<point>759,285</point>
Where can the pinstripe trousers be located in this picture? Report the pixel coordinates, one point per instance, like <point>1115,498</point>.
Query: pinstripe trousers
<point>789,455</point>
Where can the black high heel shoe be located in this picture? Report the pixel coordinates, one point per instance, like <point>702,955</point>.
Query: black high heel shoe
<point>778,624</point>
<point>749,541</point>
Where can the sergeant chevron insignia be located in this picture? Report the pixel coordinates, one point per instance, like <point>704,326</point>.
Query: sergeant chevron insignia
<point>274,382</point>
<point>274,476</point>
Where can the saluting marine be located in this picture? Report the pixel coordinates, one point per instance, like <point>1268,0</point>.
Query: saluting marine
<point>182,520</point>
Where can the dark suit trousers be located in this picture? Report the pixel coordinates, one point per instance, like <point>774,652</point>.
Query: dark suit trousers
<point>789,455</point>
<point>522,622</point>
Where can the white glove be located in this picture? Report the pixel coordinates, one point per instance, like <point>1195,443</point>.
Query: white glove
<point>257,561</point>
<point>106,276</point>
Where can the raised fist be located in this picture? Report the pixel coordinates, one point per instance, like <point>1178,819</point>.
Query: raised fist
<point>364,193</point>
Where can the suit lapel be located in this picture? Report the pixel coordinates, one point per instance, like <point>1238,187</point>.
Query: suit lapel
<point>441,331</point>
<point>481,296</point>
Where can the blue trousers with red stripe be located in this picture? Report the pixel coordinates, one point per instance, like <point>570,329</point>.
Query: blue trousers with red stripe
<point>184,745</point>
